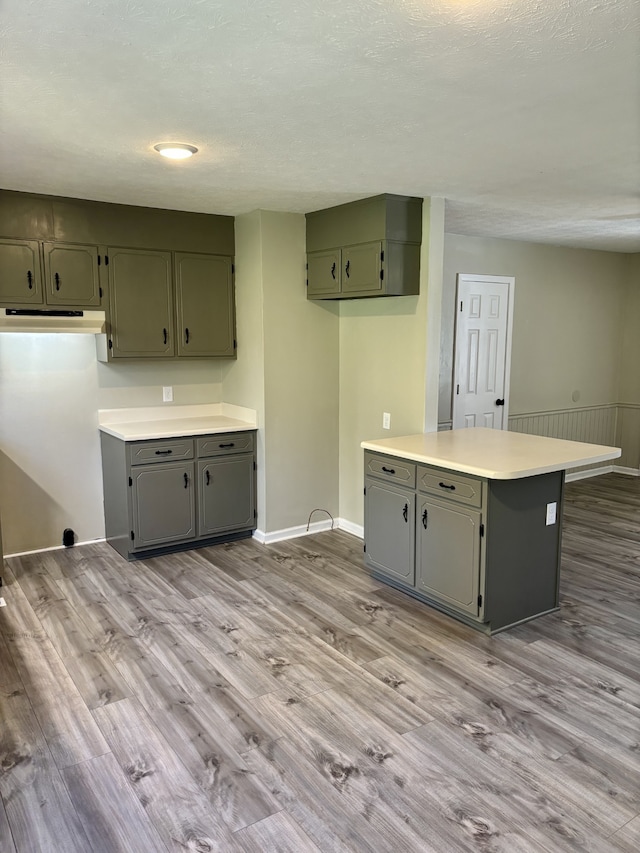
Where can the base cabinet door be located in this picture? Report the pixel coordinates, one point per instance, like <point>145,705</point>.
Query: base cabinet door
<point>448,554</point>
<point>20,273</point>
<point>226,495</point>
<point>163,503</point>
<point>390,525</point>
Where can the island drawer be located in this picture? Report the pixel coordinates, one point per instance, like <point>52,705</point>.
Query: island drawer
<point>390,468</point>
<point>223,443</point>
<point>160,450</point>
<point>450,484</point>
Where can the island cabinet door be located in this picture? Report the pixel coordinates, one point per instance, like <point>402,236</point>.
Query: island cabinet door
<point>163,503</point>
<point>226,495</point>
<point>389,525</point>
<point>448,554</point>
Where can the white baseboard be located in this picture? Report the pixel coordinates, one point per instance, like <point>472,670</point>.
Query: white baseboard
<point>620,469</point>
<point>301,530</point>
<point>590,472</point>
<point>52,548</point>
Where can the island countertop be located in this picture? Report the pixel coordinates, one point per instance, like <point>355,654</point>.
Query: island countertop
<point>149,422</point>
<point>492,453</point>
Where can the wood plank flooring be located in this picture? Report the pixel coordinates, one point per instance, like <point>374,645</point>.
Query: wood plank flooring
<point>276,698</point>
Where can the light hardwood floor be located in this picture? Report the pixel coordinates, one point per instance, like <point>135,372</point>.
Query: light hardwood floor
<point>252,698</point>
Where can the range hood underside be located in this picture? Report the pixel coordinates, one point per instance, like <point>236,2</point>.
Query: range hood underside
<point>52,322</point>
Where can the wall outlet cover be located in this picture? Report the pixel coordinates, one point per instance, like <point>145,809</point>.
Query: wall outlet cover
<point>386,420</point>
<point>552,511</point>
<point>167,394</point>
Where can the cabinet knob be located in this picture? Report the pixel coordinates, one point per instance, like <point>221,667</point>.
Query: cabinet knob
<point>500,401</point>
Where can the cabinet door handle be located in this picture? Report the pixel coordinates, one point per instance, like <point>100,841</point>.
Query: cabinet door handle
<point>444,486</point>
<point>405,512</point>
<point>231,444</point>
<point>208,477</point>
<point>425,517</point>
<point>186,336</point>
<point>164,452</point>
<point>186,480</point>
<point>57,281</point>
<point>388,470</point>
<point>164,335</point>
<point>500,401</point>
<point>333,270</point>
<point>30,279</point>
<point>347,268</point>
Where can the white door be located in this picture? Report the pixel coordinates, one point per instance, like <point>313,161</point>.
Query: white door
<point>484,313</point>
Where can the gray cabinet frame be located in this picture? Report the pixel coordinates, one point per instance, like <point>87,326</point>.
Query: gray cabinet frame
<point>157,498</point>
<point>492,562</point>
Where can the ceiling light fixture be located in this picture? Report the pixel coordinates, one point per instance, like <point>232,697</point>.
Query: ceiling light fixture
<point>175,150</point>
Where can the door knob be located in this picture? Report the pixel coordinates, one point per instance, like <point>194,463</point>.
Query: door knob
<point>500,402</point>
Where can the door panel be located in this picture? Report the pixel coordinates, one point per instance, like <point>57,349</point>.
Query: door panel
<point>390,531</point>
<point>205,305</point>
<point>361,266</point>
<point>482,352</point>
<point>448,558</point>
<point>323,273</point>
<point>226,492</point>
<point>141,294</point>
<point>163,503</point>
<point>20,273</point>
<point>71,275</point>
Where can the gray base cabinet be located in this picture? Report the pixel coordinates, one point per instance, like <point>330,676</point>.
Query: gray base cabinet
<point>478,549</point>
<point>170,494</point>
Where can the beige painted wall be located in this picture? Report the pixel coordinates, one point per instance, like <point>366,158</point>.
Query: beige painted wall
<point>51,388</point>
<point>287,369</point>
<point>382,369</point>
<point>630,349</point>
<point>568,311</point>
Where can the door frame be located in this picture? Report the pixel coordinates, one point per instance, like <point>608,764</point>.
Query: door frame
<point>510,281</point>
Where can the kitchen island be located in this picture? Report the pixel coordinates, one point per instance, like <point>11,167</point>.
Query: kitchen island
<point>469,520</point>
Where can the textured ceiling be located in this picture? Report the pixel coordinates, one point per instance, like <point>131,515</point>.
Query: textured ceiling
<point>523,114</point>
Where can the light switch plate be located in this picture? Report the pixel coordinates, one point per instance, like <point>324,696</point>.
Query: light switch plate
<point>552,510</point>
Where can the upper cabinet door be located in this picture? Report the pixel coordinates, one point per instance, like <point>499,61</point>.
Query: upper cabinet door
<point>71,275</point>
<point>20,273</point>
<point>323,273</point>
<point>361,269</point>
<point>141,300</point>
<point>205,305</point>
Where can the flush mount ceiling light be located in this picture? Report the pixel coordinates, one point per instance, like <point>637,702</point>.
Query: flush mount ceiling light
<point>175,150</point>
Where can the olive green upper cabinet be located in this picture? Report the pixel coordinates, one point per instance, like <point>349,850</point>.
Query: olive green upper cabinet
<point>71,275</point>
<point>365,248</point>
<point>204,305</point>
<point>141,303</point>
<point>20,273</point>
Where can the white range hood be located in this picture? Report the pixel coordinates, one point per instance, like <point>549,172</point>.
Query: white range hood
<point>52,321</point>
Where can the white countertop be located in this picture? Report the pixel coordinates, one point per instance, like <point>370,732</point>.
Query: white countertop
<point>492,453</point>
<point>166,421</point>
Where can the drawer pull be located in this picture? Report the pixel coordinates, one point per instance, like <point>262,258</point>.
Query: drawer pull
<point>164,452</point>
<point>444,486</point>
<point>388,470</point>
<point>208,478</point>
<point>425,518</point>
<point>186,480</point>
<point>230,444</point>
<point>405,512</point>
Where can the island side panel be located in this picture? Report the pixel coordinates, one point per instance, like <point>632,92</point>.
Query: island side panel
<point>523,552</point>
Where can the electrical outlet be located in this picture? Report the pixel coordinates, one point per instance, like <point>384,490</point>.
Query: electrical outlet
<point>552,510</point>
<point>386,420</point>
<point>167,394</point>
